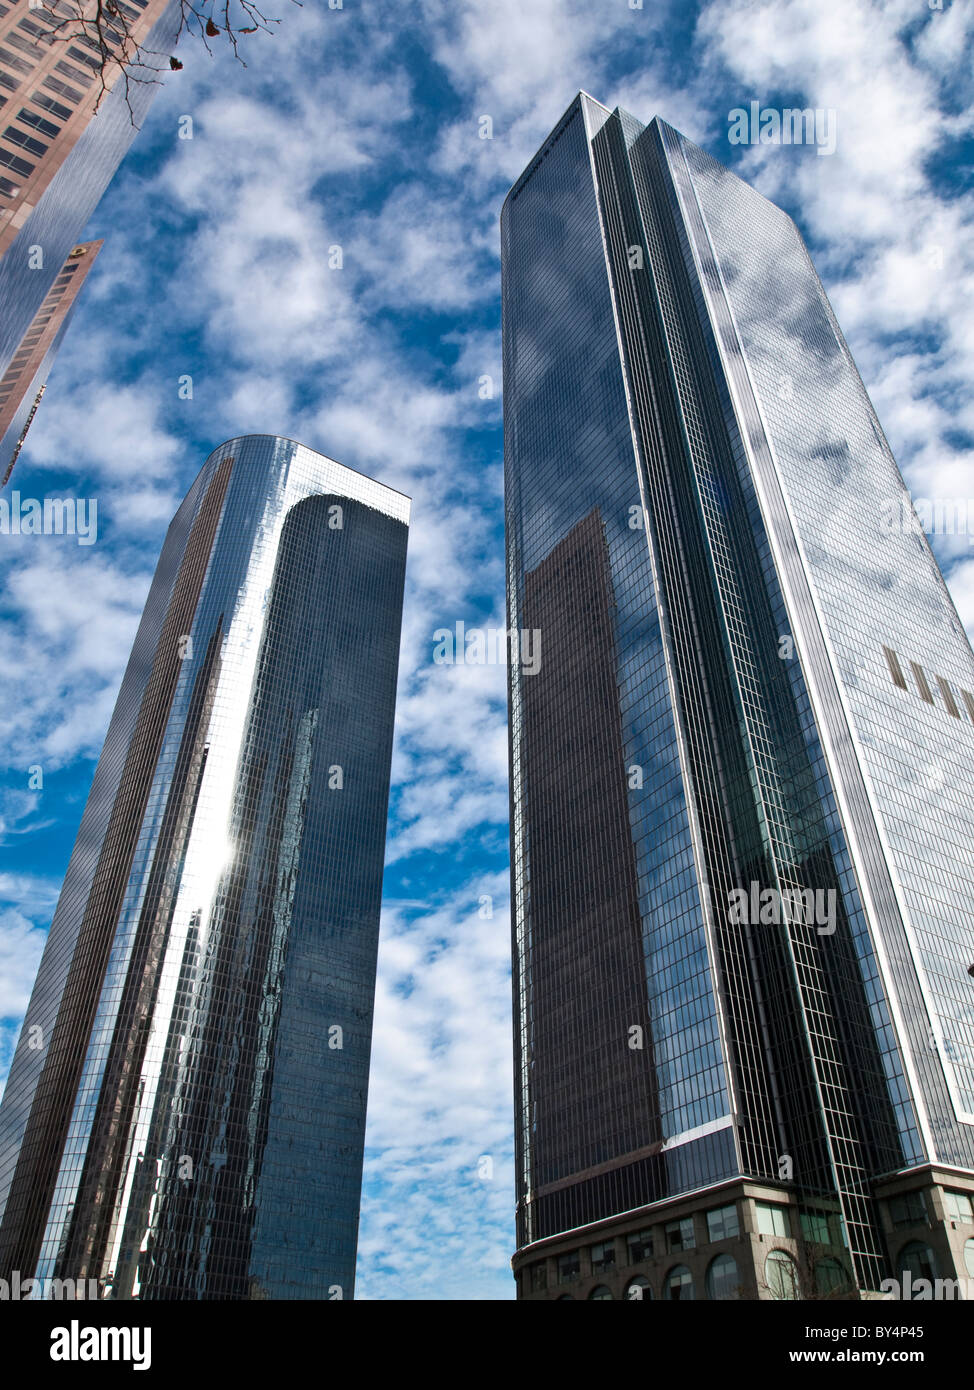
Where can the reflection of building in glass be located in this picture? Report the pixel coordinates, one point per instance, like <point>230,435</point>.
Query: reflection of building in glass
<point>724,762</point>
<point>57,157</point>
<point>585,1090</point>
<point>185,1112</point>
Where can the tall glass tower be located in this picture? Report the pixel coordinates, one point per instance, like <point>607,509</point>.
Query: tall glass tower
<point>185,1113</point>
<point>742,782</point>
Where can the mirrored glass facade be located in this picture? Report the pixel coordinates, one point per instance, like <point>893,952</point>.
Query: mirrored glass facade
<point>185,1112</point>
<point>742,847</point>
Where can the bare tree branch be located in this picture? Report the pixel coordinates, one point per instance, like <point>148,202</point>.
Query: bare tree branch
<point>100,35</point>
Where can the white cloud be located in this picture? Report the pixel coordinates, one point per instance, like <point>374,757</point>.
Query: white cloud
<point>61,664</point>
<point>20,953</point>
<point>437,1220</point>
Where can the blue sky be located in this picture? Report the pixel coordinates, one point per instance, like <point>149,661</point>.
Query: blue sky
<point>360,128</point>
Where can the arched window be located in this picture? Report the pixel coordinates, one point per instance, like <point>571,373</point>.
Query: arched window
<point>918,1261</point>
<point>723,1278</point>
<point>830,1277</point>
<point>600,1291</point>
<point>641,1288</point>
<point>679,1283</point>
<point>781,1275</point>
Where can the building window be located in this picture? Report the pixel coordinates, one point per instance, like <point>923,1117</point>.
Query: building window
<point>603,1256</point>
<point>895,669</point>
<point>62,89</point>
<point>47,103</point>
<point>908,1209</point>
<point>948,696</point>
<point>918,1260</point>
<point>25,141</point>
<point>88,59</point>
<point>958,1206</point>
<point>679,1234</point>
<point>815,1227</point>
<point>723,1278</point>
<point>539,1277</point>
<point>830,1277</point>
<point>969,1256</point>
<point>772,1220</point>
<point>28,117</point>
<point>640,1288</point>
<point>639,1246</point>
<point>14,63</point>
<point>569,1267</point>
<point>679,1284</point>
<point>920,677</point>
<point>76,76</point>
<point>29,27</point>
<point>14,162</point>
<point>600,1292</point>
<point>722,1223</point>
<point>781,1275</point>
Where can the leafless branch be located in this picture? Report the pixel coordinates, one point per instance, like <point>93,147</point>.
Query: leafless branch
<point>101,34</point>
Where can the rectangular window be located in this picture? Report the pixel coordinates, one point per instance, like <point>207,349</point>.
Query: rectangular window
<point>62,89</point>
<point>40,17</point>
<point>639,1245</point>
<point>46,103</point>
<point>908,1209</point>
<point>921,681</point>
<point>25,141</point>
<point>19,166</point>
<point>27,46</point>
<point>539,1277</point>
<point>29,27</point>
<point>28,117</point>
<point>13,62</point>
<point>88,59</point>
<point>8,189</point>
<point>85,78</point>
<point>679,1234</point>
<point>722,1223</point>
<point>569,1267</point>
<point>815,1227</point>
<point>895,670</point>
<point>772,1220</point>
<point>603,1256</point>
<point>948,695</point>
<point>959,1207</point>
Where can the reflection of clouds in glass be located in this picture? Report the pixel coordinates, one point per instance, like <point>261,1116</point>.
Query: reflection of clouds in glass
<point>873,584</point>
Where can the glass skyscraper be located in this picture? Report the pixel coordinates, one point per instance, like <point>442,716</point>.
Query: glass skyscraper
<point>185,1112</point>
<point>742,783</point>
